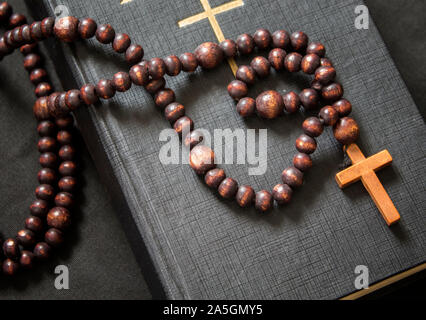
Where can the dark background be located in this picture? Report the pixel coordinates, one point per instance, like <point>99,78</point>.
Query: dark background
<point>97,252</point>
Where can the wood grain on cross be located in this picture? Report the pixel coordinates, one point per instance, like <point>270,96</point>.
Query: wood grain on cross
<point>364,169</point>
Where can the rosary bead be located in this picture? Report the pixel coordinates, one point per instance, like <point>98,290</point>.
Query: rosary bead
<point>56,105</point>
<point>306,144</point>
<point>246,107</point>
<point>263,201</point>
<point>105,89</point>
<point>302,161</point>
<point>174,111</point>
<point>229,48</point>
<point>139,75</point>
<point>237,89</point>
<point>173,65</point>
<point>67,184</point>
<point>46,144</point>
<point>105,33</point>
<point>332,92</point>
<point>10,267</point>
<point>325,74</point>
<point>292,177</point>
<point>66,152</point>
<point>43,89</point>
<point>245,44</point>
<point>316,85</point>
<point>261,66</point>
<point>269,104</point>
<point>310,63</point>
<point>26,37</point>
<point>68,168</point>
<point>5,11</point>
<point>66,29</point>
<point>193,138</point>
<point>316,48</point>
<point>54,237</point>
<point>325,62</point>
<point>47,26</point>
<point>65,122</point>
<point>17,36</point>
<point>64,137</point>
<point>154,85</point>
<point>343,107</point>
<point>245,196</point>
<point>281,39</point>
<point>183,124</point>
<point>32,61</point>
<point>164,97</point>
<point>40,109</point>
<point>36,32</point>
<point>293,61</point>
<point>11,248</point>
<point>209,55</point>
<point>87,28</point>
<point>214,177</point>
<point>246,74</point>
<point>72,99</point>
<point>25,238</point>
<point>291,102</point>
<point>346,130</point>
<point>48,160</point>
<point>88,94</point>
<point>38,75</point>
<point>45,192</point>
<point>228,188</point>
<point>64,199</point>
<point>157,68</point>
<point>47,176</point>
<point>122,81</point>
<point>309,99</point>
<point>189,62</point>
<point>4,48</point>
<point>299,40</point>
<point>39,208</point>
<point>42,251</point>
<point>262,38</point>
<point>59,218</point>
<point>282,194</point>
<point>276,58</point>
<point>313,127</point>
<point>121,42</point>
<point>134,54</point>
<point>26,260</point>
<point>329,115</point>
<point>201,159</point>
<point>46,128</point>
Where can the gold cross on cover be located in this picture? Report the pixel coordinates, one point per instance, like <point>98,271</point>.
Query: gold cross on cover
<point>210,13</point>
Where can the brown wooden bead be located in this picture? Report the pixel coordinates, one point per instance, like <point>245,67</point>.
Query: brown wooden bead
<point>154,85</point>
<point>261,66</point>
<point>310,63</point>
<point>299,40</point>
<point>68,168</point>
<point>343,107</point>
<point>173,65</point>
<point>276,58</point>
<point>48,160</point>
<point>245,196</point>
<point>189,62</point>
<point>59,218</point>
<point>17,36</point>
<point>54,237</point>
<point>5,11</point>
<point>183,124</point>
<point>25,31</point>
<point>11,248</point>
<point>36,32</point>
<point>47,26</point>
<point>64,137</point>
<point>214,177</point>
<point>64,199</point>
<point>121,42</point>
<point>302,161</point>
<point>26,259</point>
<point>10,267</point>
<point>32,61</point>
<point>281,39</point>
<point>72,99</point>
<point>34,224</point>
<point>42,251</point>
<point>245,44</point>
<point>25,238</point>
<point>46,144</point>
<point>306,144</point>
<point>229,48</point>
<point>329,115</point>
<point>47,176</point>
<point>39,208</point>
<point>332,92</point>
<point>164,97</point>
<point>325,74</point>
<point>88,94</point>
<point>66,29</point>
<point>174,111</point>
<point>134,54</point>
<point>56,104</point>
<point>121,81</point>
<point>246,74</point>
<point>291,102</point>
<point>209,55</point>
<point>65,122</point>
<point>67,152</point>
<point>67,184</point>
<point>157,68</point>
<point>193,138</point>
<point>309,99</point>
<point>87,28</point>
<point>246,107</point>
<point>38,75</point>
<point>25,49</point>
<point>237,89</point>
<point>228,188</point>
<point>346,131</point>
<point>269,104</point>
<point>9,41</point>
<point>316,48</point>
<point>282,193</point>
<point>316,85</point>
<point>293,61</point>
<point>201,159</point>
<point>263,201</point>
<point>105,33</point>
<point>44,192</point>
<point>46,128</point>
<point>43,89</point>
<point>313,127</point>
<point>139,75</point>
<point>105,89</point>
<point>292,177</point>
<point>262,38</point>
<point>325,62</point>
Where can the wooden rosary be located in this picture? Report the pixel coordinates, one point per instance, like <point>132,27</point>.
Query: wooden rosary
<point>50,212</point>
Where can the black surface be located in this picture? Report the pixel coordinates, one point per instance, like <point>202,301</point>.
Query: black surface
<point>104,257</point>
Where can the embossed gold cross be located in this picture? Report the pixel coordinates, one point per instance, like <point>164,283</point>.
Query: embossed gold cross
<point>210,13</point>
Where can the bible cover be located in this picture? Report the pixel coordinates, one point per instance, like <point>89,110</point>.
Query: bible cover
<point>200,246</point>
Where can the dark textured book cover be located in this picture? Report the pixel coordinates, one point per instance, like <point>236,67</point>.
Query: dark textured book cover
<point>203,247</point>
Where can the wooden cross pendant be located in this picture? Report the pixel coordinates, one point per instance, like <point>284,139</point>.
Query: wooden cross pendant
<point>364,169</point>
